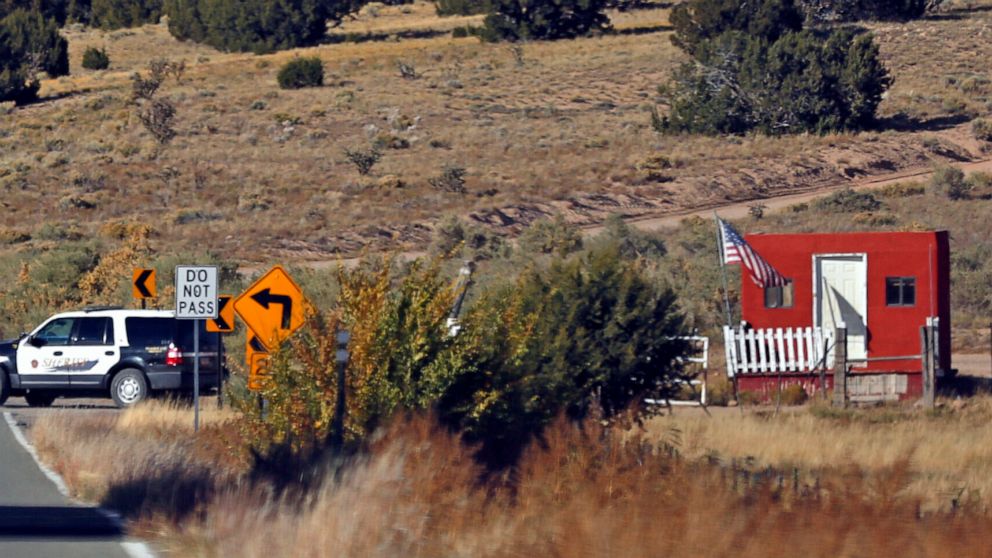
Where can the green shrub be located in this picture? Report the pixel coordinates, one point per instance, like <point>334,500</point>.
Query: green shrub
<point>451,179</point>
<point>456,238</point>
<point>847,201</point>
<point>116,14</point>
<point>971,274</point>
<point>632,242</point>
<point>25,35</point>
<point>522,20</point>
<point>754,69</point>
<point>551,236</point>
<point>301,72</point>
<point>461,7</point>
<point>589,334</point>
<point>979,185</point>
<point>949,182</point>
<point>59,10</point>
<point>856,10</point>
<point>901,190</point>
<point>258,26</point>
<point>982,129</point>
<point>95,59</point>
<point>719,391</point>
<point>697,22</point>
<point>363,159</point>
<point>794,394</point>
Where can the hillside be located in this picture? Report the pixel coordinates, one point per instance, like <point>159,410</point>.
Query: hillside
<point>257,173</point>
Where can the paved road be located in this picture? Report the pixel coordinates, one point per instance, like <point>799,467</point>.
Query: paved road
<point>36,520</point>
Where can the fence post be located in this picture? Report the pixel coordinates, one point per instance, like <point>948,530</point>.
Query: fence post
<point>840,367</point>
<point>927,364</point>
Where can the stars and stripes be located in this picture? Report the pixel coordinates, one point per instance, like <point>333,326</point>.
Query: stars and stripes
<point>736,250</point>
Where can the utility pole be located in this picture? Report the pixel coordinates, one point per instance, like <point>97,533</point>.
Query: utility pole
<point>462,283</point>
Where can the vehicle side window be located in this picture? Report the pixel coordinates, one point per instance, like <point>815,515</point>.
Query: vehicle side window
<point>94,331</point>
<point>208,341</point>
<point>56,332</point>
<point>150,332</point>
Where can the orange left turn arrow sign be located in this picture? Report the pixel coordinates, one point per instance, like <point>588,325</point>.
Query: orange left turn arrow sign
<point>143,283</point>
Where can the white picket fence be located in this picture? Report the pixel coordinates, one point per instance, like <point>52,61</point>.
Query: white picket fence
<point>773,350</point>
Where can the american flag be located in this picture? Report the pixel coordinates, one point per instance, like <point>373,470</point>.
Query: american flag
<point>736,250</point>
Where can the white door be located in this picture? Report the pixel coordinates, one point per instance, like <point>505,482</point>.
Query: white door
<point>39,354</point>
<point>68,351</point>
<point>842,298</point>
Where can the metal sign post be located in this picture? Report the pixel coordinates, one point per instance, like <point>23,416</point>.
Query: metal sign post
<point>341,358</point>
<point>223,324</point>
<point>196,299</point>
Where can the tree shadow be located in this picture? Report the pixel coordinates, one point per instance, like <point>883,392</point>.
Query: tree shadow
<point>174,492</point>
<point>964,386</point>
<point>646,30</point>
<point>53,97</point>
<point>957,14</point>
<point>56,522</point>
<point>902,122</point>
<point>371,36</point>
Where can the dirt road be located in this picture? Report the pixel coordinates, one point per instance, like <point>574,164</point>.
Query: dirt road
<point>739,210</point>
<point>733,210</point>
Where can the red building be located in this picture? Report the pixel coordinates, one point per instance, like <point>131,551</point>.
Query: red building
<point>883,286</point>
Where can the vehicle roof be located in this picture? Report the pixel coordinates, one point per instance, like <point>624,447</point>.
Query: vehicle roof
<point>110,312</point>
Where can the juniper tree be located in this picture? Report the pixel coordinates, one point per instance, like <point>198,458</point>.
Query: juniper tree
<point>519,20</point>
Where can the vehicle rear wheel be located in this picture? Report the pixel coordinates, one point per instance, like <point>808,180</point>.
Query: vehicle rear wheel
<point>4,387</point>
<point>129,387</point>
<point>39,399</point>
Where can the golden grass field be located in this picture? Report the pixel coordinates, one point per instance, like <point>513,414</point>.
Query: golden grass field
<point>888,481</point>
<point>257,173</point>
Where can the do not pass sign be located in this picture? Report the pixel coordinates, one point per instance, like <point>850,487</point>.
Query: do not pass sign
<point>196,292</point>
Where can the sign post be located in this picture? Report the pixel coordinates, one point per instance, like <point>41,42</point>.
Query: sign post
<point>341,358</point>
<point>224,323</point>
<point>196,299</point>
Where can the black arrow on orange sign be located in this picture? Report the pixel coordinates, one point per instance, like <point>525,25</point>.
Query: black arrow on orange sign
<point>222,303</point>
<point>264,298</point>
<point>139,283</point>
<point>256,345</point>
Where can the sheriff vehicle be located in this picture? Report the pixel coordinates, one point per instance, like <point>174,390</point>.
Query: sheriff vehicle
<point>106,352</point>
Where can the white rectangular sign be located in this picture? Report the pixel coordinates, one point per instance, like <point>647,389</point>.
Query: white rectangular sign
<point>196,292</point>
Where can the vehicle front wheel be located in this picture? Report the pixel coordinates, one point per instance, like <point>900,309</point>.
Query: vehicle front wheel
<point>39,399</point>
<point>129,388</point>
<point>4,387</point>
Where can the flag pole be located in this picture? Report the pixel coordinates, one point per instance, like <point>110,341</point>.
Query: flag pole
<point>726,296</point>
<point>723,269</point>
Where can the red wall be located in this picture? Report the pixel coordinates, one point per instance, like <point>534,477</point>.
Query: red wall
<point>891,330</point>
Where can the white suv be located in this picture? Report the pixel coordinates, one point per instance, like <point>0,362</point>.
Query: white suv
<point>103,351</point>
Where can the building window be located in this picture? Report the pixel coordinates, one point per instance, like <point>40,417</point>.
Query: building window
<point>900,291</point>
<point>779,297</point>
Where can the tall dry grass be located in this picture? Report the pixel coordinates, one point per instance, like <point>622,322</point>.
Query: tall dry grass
<point>947,452</point>
<point>144,460</point>
<point>584,494</point>
<point>581,492</point>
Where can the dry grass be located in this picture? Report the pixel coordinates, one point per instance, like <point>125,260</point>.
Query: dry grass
<point>581,493</point>
<point>165,415</point>
<point>258,173</point>
<point>947,452</point>
<point>144,458</point>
